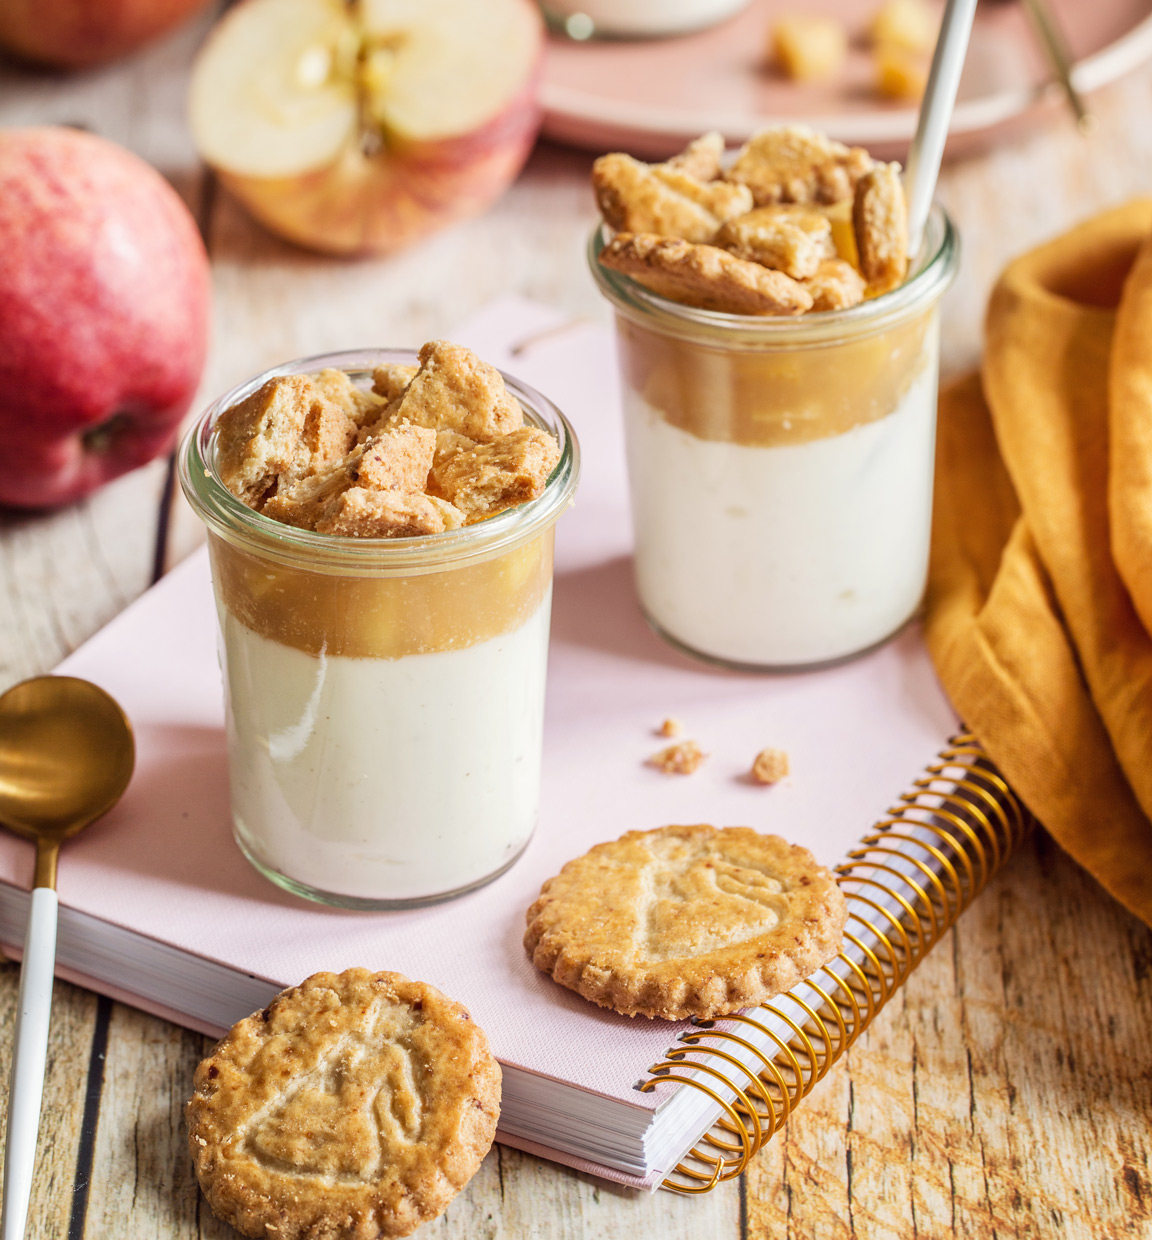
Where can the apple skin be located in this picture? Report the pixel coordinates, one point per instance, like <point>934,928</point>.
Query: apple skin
<point>375,204</point>
<point>104,314</point>
<point>72,34</point>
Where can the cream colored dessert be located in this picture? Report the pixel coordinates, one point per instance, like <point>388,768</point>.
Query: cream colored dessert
<point>781,481</point>
<point>385,728</point>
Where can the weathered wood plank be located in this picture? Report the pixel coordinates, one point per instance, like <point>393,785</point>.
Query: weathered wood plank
<point>1006,1093</point>
<point>69,1039</point>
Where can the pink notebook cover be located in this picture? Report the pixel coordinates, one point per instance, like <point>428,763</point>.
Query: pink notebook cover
<point>164,864</point>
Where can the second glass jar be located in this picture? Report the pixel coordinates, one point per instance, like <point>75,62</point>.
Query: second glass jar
<point>781,469</point>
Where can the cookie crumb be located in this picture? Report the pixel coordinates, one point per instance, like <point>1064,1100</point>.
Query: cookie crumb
<point>671,727</point>
<point>679,759</point>
<point>770,766</point>
<point>808,47</point>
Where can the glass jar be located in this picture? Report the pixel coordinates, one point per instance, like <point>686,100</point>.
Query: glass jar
<point>636,19</point>
<point>384,697</point>
<point>780,469</point>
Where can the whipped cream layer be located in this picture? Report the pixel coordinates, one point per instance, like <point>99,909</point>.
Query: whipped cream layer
<point>383,779</point>
<point>784,555</point>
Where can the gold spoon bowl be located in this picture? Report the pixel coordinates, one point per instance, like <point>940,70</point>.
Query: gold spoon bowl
<point>66,756</point>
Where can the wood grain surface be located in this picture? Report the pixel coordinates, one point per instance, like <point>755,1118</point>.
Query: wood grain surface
<point>1006,1091</point>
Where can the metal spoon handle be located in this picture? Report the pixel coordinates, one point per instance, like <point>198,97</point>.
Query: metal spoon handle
<point>26,1084</point>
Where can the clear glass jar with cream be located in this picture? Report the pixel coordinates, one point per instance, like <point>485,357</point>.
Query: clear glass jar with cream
<point>384,697</point>
<point>781,468</point>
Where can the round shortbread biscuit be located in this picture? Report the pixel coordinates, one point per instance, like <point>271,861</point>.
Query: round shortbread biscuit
<point>686,921</point>
<point>355,1107</point>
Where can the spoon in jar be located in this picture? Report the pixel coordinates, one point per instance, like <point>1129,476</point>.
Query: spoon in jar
<point>66,756</point>
<point>936,115</point>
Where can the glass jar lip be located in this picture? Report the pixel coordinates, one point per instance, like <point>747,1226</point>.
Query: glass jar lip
<point>934,271</point>
<point>224,514</point>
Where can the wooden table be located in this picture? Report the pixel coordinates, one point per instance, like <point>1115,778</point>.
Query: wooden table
<point>1005,1091</point>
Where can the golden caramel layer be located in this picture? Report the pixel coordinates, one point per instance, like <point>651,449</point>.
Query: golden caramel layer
<point>767,398</point>
<point>382,617</point>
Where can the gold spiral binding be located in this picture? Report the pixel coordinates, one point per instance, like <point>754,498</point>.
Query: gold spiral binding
<point>906,884</point>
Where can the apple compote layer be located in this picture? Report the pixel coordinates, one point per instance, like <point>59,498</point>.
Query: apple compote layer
<point>769,397</point>
<point>382,617</point>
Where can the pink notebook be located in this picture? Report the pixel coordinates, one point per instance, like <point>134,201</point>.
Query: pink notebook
<point>160,909</point>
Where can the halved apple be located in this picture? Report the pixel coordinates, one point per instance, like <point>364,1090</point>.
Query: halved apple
<point>358,127</point>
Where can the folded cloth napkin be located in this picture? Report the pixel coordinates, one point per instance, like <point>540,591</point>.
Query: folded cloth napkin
<point>1039,607</point>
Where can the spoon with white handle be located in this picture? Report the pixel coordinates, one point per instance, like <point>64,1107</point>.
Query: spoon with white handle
<point>66,756</point>
<point>935,115</point>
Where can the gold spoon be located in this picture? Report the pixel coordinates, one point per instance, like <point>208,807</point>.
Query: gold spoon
<point>66,756</point>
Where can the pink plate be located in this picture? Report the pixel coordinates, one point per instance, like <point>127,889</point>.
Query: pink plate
<point>650,97</point>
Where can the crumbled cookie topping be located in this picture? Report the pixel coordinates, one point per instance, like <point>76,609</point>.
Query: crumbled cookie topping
<point>795,164</point>
<point>770,766</point>
<point>794,240</point>
<point>797,223</point>
<point>429,448</point>
<point>680,759</point>
<point>701,157</point>
<point>880,221</point>
<point>704,276</point>
<point>671,727</point>
<point>664,200</point>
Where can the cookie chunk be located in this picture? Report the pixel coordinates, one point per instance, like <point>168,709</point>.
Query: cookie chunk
<point>835,286</point>
<point>286,429</point>
<point>397,459</point>
<point>663,199</point>
<point>700,158</point>
<point>390,380</point>
<point>686,921</point>
<point>770,766</point>
<point>362,513</point>
<point>809,47</point>
<point>482,479</point>
<point>393,466</point>
<point>355,1106</point>
<point>796,164</point>
<point>454,390</point>
<point>361,406</point>
<point>794,240</point>
<point>880,222</point>
<point>683,758</point>
<point>704,276</point>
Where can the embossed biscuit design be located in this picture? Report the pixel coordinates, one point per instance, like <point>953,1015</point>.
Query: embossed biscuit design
<point>686,921</point>
<point>355,1107</point>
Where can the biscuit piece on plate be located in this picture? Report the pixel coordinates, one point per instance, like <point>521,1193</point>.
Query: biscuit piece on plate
<point>356,1105</point>
<point>686,921</point>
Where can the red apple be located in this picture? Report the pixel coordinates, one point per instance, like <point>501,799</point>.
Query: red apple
<point>104,303</point>
<point>71,34</point>
<point>359,127</point>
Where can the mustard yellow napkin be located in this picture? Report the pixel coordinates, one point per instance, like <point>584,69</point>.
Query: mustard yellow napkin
<point>1039,604</point>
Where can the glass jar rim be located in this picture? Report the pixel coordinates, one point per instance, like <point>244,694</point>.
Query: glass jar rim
<point>335,554</point>
<point>933,273</point>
